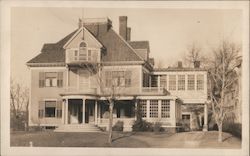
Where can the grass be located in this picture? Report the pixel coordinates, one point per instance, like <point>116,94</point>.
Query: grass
<point>122,139</point>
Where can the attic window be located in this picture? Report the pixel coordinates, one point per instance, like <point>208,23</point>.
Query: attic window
<point>82,51</point>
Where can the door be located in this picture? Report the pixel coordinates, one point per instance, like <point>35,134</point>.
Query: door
<point>186,122</point>
<point>90,111</point>
<point>83,79</point>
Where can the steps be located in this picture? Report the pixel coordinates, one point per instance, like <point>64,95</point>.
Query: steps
<point>77,128</point>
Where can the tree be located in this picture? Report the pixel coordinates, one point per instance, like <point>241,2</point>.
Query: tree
<point>221,78</point>
<point>111,89</point>
<point>19,102</point>
<point>194,54</point>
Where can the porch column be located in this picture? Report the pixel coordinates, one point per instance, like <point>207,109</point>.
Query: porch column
<point>205,117</point>
<point>95,112</point>
<point>172,112</point>
<point>66,111</point>
<point>63,111</point>
<point>83,111</point>
<point>148,109</point>
<point>136,105</point>
<point>158,82</point>
<point>99,113</point>
<point>159,109</point>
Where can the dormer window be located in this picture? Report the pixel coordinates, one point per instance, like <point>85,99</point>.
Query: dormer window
<point>83,51</point>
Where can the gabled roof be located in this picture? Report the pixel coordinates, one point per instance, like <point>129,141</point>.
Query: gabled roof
<point>139,45</point>
<point>52,52</point>
<point>116,48</point>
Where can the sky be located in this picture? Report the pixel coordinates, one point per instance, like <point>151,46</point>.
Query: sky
<point>169,31</point>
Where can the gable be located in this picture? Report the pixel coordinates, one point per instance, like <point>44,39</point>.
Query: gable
<point>74,41</point>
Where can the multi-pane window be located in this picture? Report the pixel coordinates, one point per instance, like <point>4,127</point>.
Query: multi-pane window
<point>165,109</point>
<point>83,51</point>
<point>154,80</point>
<point>190,83</point>
<point>163,81</point>
<point>143,105</point>
<point>50,108</point>
<point>153,107</point>
<point>118,78</point>
<point>145,80</point>
<point>50,79</point>
<point>181,82</point>
<point>172,82</point>
<point>200,82</point>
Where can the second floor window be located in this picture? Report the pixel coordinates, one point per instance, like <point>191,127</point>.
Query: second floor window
<point>172,82</point>
<point>163,81</point>
<point>181,82</point>
<point>190,83</point>
<point>200,82</point>
<point>118,78</point>
<point>50,79</point>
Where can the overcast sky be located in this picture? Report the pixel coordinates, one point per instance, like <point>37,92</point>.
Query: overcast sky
<point>169,31</point>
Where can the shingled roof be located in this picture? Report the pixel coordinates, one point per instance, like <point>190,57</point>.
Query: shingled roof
<point>139,44</point>
<point>52,52</point>
<point>116,48</point>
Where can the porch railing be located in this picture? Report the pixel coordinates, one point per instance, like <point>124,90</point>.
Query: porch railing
<point>76,90</point>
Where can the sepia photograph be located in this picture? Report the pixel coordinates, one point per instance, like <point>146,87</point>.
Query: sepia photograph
<point>106,79</point>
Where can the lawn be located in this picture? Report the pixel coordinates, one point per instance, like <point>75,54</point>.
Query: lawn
<point>121,139</point>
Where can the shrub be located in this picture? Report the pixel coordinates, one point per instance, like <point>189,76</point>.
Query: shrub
<point>142,126</point>
<point>158,127</point>
<point>233,128</point>
<point>118,126</point>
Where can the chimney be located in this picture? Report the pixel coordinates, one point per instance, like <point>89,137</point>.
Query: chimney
<point>128,34</point>
<point>179,64</point>
<point>197,64</point>
<point>123,27</point>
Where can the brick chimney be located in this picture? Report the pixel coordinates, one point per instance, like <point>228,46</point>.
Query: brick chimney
<point>123,27</point>
<point>128,34</point>
<point>179,64</point>
<point>197,64</point>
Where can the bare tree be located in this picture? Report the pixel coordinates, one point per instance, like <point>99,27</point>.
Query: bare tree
<point>110,89</point>
<point>19,100</point>
<point>194,54</point>
<point>221,78</point>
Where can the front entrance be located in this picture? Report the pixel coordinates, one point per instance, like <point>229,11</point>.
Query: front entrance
<point>186,122</point>
<point>89,111</point>
<point>75,111</point>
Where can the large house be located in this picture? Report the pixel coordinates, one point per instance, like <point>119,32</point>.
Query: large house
<point>71,80</point>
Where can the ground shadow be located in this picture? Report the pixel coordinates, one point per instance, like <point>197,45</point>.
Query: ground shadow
<point>123,135</point>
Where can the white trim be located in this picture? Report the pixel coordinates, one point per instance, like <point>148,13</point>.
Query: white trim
<point>48,99</point>
<point>48,68</point>
<point>79,30</point>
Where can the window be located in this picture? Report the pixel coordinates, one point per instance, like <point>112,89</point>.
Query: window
<point>145,80</point>
<point>153,109</point>
<point>163,81</point>
<point>190,82</point>
<point>172,82</point>
<point>118,78</point>
<point>83,51</point>
<point>50,108</point>
<point>181,82</point>
<point>143,105</point>
<point>154,80</point>
<point>165,109</point>
<point>200,82</point>
<point>50,79</point>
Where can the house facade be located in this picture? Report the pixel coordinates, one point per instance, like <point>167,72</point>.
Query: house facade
<point>72,79</point>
